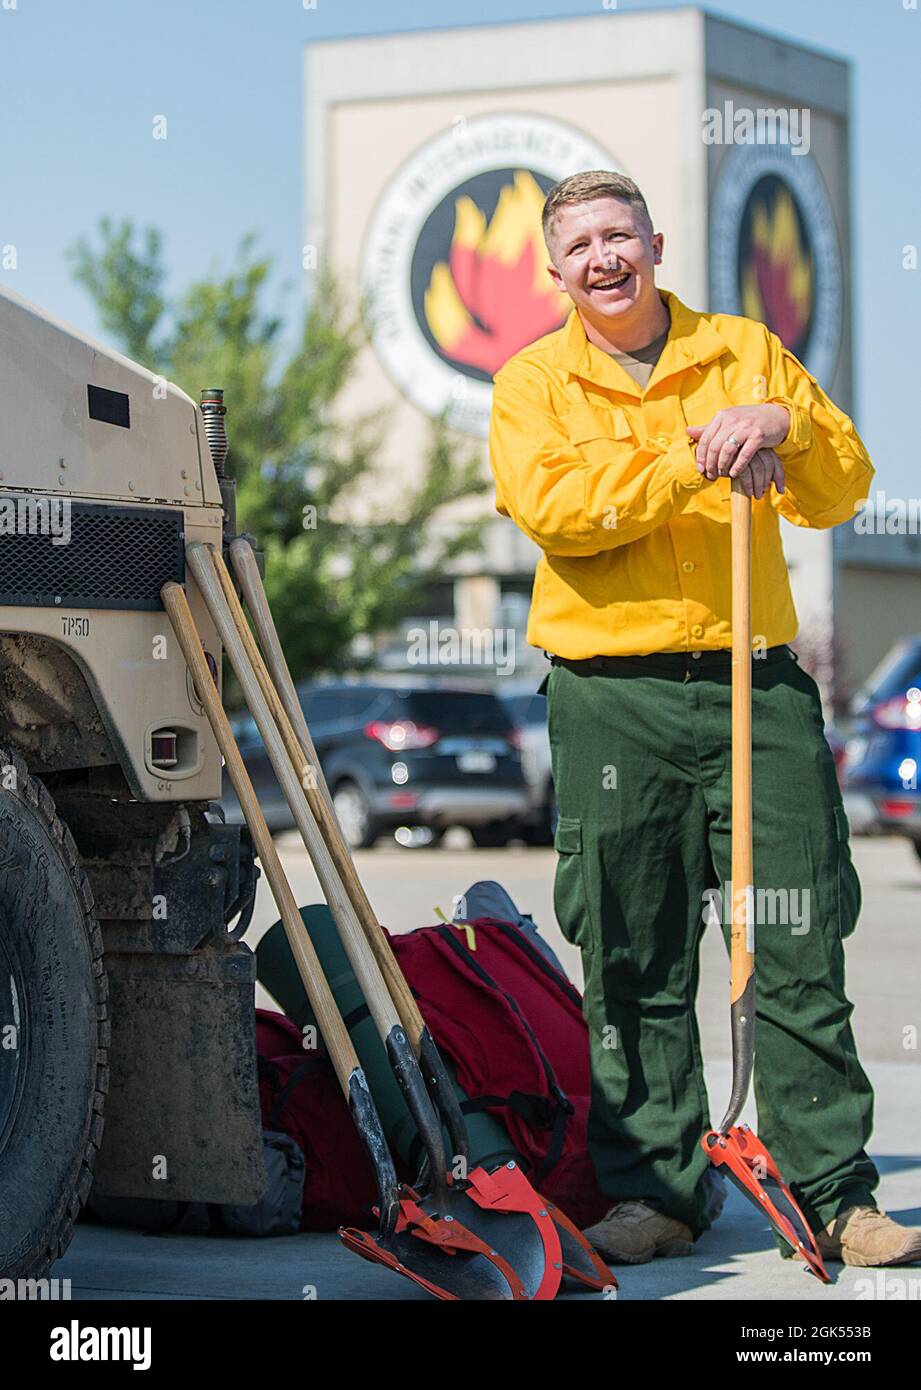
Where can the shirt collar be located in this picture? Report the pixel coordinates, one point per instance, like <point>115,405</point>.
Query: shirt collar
<point>692,339</point>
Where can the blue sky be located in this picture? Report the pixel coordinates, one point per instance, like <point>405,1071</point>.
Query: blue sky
<point>81,81</point>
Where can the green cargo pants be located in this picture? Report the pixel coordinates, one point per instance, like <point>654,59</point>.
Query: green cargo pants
<point>641,767</point>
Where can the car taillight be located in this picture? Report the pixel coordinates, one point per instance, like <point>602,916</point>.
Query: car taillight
<point>902,712</point>
<point>400,734</point>
<point>890,806</point>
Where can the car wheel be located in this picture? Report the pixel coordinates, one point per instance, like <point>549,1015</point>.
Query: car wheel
<point>493,836</point>
<point>354,816</point>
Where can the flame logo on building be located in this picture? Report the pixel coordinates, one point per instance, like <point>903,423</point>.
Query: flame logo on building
<point>493,296</point>
<point>776,276</point>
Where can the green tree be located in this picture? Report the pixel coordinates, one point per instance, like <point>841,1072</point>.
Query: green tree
<point>299,474</point>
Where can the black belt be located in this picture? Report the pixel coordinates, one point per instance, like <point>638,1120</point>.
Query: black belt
<point>670,663</point>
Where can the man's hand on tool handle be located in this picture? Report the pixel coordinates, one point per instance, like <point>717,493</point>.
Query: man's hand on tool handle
<point>739,443</point>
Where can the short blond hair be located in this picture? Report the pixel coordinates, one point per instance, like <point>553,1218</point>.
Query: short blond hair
<point>584,188</point>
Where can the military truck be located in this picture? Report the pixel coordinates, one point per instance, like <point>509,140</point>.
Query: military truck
<point>127,1054</point>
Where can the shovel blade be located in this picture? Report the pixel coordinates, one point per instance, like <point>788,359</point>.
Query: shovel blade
<point>445,1273</point>
<point>505,1210</point>
<point>580,1260</point>
<point>749,1166</point>
<point>490,1237</point>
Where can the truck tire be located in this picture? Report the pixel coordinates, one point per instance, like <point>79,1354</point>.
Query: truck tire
<point>54,1029</point>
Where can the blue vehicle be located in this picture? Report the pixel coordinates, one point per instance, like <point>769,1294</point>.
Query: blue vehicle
<point>883,754</point>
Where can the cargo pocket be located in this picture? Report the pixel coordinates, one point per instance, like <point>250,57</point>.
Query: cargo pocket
<point>849,894</point>
<point>570,901</point>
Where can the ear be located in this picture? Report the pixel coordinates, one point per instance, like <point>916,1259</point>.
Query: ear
<point>555,276</point>
<point>658,243</point>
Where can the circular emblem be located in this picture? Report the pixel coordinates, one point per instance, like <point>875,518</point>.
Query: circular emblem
<point>454,264</point>
<point>774,253</point>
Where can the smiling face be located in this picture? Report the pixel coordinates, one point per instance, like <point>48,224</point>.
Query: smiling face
<point>605,253</point>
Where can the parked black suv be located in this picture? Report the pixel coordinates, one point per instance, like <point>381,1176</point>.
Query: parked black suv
<point>427,753</point>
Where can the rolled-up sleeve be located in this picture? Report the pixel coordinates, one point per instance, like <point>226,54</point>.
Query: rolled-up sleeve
<point>565,502</point>
<point>827,468</point>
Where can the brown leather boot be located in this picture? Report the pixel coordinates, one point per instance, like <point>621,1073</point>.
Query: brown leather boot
<point>864,1236</point>
<point>633,1233</point>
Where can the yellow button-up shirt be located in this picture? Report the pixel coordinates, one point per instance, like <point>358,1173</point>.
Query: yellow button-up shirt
<point>603,477</point>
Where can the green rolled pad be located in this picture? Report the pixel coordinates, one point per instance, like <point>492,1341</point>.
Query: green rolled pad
<point>276,971</point>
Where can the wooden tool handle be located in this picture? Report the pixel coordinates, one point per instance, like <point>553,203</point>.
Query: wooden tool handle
<point>328,1017</point>
<point>278,688</point>
<point>208,567</point>
<point>742,953</point>
<point>246,569</point>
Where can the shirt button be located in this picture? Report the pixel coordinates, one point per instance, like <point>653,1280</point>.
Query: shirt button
<point>688,566</point>
<point>696,655</point>
<point>697,630</point>
<point>661,440</point>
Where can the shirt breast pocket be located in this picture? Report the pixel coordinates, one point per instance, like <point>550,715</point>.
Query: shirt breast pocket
<point>699,410</point>
<point>593,429</point>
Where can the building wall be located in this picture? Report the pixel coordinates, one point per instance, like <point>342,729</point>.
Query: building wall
<point>877,608</point>
<point>750,71</point>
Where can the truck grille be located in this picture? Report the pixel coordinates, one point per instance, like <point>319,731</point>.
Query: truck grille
<point>115,557</point>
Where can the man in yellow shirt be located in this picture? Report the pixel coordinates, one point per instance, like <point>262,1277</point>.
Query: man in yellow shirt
<point>612,444</point>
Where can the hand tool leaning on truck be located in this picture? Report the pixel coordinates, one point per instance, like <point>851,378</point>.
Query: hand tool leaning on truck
<point>612,443</point>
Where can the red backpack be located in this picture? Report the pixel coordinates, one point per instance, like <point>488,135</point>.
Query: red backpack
<point>300,1096</point>
<point>511,1025</point>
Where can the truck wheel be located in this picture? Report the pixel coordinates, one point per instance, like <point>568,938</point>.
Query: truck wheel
<point>54,1029</point>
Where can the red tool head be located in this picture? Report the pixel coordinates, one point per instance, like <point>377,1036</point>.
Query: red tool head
<point>495,1230</point>
<point>502,1240</point>
<point>747,1163</point>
